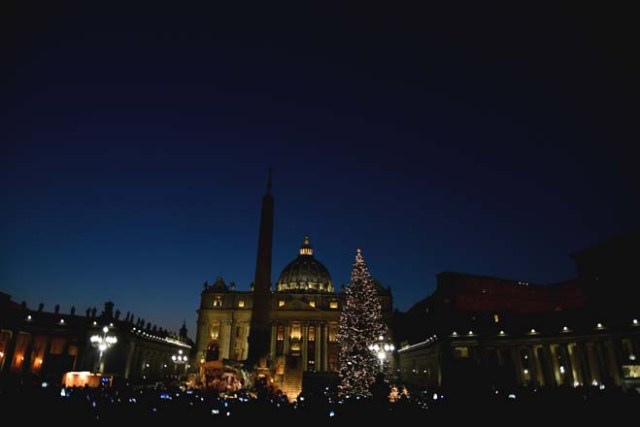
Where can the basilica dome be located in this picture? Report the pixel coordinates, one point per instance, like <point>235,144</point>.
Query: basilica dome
<point>305,274</point>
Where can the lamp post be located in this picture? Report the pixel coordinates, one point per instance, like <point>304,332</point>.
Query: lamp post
<point>103,343</point>
<point>180,359</point>
<point>382,350</point>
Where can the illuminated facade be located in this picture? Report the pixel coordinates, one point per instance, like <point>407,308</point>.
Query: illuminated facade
<point>45,345</point>
<point>300,317</point>
<point>304,312</point>
<point>478,331</point>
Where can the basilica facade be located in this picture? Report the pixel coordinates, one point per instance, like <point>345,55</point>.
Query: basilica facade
<point>304,311</point>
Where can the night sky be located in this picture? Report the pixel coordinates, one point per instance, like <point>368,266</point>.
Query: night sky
<point>136,142</point>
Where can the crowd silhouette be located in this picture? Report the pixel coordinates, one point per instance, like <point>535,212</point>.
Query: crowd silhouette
<point>42,402</point>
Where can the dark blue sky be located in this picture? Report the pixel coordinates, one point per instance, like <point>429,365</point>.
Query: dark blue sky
<point>135,145</point>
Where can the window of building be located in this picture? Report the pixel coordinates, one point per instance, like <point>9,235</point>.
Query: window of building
<point>214,331</point>
<point>333,330</point>
<point>73,350</point>
<point>241,303</point>
<point>280,303</point>
<point>460,352</point>
<point>496,318</point>
<point>57,345</point>
<point>333,304</point>
<point>296,332</point>
<point>280,333</point>
<point>312,303</point>
<point>217,302</point>
<point>312,333</point>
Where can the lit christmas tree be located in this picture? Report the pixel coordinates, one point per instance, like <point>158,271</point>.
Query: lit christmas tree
<point>361,326</point>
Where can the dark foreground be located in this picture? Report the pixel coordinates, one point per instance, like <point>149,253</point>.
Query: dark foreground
<point>113,406</point>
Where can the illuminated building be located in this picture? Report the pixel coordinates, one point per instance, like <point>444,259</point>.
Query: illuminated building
<point>45,345</point>
<point>477,331</point>
<point>294,323</point>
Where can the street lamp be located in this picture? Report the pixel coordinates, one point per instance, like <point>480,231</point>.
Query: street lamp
<point>382,350</point>
<point>180,359</point>
<point>103,343</point>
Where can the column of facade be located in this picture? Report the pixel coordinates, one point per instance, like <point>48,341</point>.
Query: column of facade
<point>325,346</point>
<point>499,356</point>
<point>225,339</point>
<point>272,346</point>
<point>621,352</point>
<point>26,357</point>
<point>548,367</point>
<point>438,366</point>
<point>517,363</point>
<point>576,365</point>
<point>65,352</point>
<point>568,376</point>
<point>45,353</point>
<point>138,365</point>
<point>539,373</point>
<point>635,345</point>
<point>534,365</point>
<point>614,374</point>
<point>241,341</point>
<point>85,357</point>
<point>202,338</point>
<point>287,331</point>
<point>585,372</point>
<point>305,344</point>
<point>318,349</point>
<point>232,338</point>
<point>9,351</point>
<point>130,359</point>
<point>594,366</point>
<point>554,365</point>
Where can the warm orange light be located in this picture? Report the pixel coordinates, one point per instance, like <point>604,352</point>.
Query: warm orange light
<point>81,379</point>
<point>296,333</point>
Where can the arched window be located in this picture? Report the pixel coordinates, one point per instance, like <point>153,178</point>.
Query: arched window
<point>213,351</point>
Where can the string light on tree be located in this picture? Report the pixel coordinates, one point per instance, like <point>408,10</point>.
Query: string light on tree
<point>359,329</point>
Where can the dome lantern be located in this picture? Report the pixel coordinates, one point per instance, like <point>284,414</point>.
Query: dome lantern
<point>306,248</point>
<point>305,274</point>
